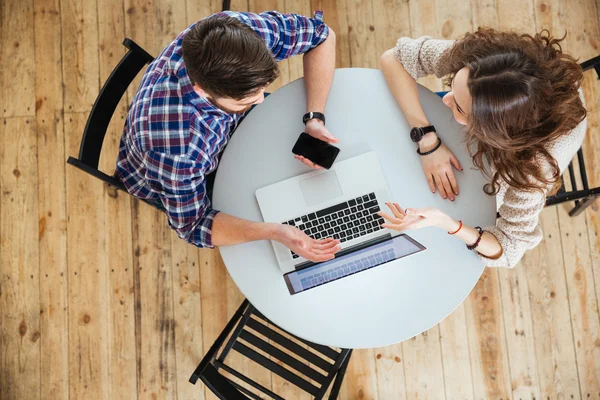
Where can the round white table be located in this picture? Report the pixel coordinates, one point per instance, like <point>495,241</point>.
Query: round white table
<point>383,305</point>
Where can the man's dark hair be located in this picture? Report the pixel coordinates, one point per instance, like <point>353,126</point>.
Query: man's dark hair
<point>226,58</point>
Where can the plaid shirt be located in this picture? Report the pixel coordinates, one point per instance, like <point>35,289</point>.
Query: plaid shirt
<point>172,137</point>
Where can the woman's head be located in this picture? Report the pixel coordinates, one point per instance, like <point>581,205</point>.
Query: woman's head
<point>515,93</point>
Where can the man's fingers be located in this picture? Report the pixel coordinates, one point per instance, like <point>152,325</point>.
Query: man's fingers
<point>326,246</point>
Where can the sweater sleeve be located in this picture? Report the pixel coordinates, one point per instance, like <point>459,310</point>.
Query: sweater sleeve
<point>518,228</point>
<point>421,57</point>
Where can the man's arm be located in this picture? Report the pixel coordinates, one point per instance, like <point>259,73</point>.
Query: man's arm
<point>319,65</point>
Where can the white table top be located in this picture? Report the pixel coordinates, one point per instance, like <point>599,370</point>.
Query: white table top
<point>383,305</point>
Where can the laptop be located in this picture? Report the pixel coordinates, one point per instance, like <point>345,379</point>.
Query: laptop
<point>341,202</point>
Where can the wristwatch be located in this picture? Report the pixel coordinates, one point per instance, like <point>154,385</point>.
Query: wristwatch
<point>313,114</point>
<point>416,134</point>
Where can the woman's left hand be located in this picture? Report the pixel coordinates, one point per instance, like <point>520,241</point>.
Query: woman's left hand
<point>414,218</point>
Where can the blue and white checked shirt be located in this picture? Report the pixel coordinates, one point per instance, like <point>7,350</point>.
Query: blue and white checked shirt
<point>172,137</point>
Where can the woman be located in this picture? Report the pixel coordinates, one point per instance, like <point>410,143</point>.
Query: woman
<point>519,97</point>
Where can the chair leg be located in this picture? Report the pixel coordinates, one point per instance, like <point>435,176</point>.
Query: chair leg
<point>337,383</point>
<point>581,206</point>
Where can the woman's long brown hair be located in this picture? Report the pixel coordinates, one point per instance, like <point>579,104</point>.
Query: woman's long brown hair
<point>524,93</point>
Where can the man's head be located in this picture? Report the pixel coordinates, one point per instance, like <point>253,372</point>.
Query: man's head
<point>228,63</point>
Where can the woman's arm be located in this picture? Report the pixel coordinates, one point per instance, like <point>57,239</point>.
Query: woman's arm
<point>413,218</point>
<point>404,89</point>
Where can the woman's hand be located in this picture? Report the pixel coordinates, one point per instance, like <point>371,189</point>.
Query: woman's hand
<point>415,218</point>
<point>438,167</point>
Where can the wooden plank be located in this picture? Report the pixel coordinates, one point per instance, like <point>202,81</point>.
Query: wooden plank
<point>334,15</point>
<point>552,332</point>
<point>424,22</point>
<point>54,317</point>
<point>514,294</point>
<point>360,381</point>
<point>582,300</point>
<point>18,54</point>
<point>361,34</point>
<point>117,205</point>
<point>154,315</point>
<point>483,13</point>
<point>487,342</point>
<point>423,369</point>
<point>87,275</point>
<point>391,23</point>
<point>454,339</point>
<point>79,22</point>
<point>19,261</point>
<point>188,314</point>
<point>389,365</point>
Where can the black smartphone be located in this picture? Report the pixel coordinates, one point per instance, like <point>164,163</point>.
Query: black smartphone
<point>317,151</point>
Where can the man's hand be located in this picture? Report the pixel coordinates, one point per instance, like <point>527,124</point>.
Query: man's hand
<point>438,167</point>
<point>316,129</point>
<point>301,244</point>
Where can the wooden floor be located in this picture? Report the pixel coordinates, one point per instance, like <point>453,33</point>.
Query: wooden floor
<point>99,299</point>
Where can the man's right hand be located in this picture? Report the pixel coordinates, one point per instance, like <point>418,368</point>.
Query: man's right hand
<point>303,245</point>
<point>438,167</point>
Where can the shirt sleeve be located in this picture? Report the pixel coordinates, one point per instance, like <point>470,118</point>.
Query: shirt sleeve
<point>421,57</point>
<point>518,228</point>
<point>287,35</point>
<point>181,186</point>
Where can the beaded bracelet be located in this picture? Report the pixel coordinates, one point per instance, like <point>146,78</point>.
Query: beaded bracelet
<point>474,245</point>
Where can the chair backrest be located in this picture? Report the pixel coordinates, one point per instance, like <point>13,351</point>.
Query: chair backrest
<point>104,107</point>
<point>583,197</point>
<point>252,335</point>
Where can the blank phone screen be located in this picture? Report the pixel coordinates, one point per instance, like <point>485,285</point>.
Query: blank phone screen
<point>315,150</point>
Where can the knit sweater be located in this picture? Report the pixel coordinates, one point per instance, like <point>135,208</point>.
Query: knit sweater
<point>518,228</point>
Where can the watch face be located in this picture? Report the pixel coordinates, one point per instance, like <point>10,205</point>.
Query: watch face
<point>416,134</point>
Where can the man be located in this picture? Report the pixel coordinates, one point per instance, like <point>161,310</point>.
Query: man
<point>193,96</point>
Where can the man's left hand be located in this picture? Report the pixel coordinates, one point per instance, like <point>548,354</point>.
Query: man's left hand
<point>317,129</point>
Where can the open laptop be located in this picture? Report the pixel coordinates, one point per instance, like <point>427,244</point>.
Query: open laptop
<point>341,203</point>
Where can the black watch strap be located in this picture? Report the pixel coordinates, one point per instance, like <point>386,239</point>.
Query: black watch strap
<point>313,114</point>
<point>417,133</point>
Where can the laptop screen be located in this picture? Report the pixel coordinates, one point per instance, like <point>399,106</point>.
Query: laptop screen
<point>366,257</point>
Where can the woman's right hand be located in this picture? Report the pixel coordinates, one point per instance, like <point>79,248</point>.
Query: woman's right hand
<point>438,167</point>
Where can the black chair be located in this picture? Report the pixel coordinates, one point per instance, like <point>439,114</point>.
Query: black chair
<point>236,336</point>
<point>583,197</point>
<point>102,111</point>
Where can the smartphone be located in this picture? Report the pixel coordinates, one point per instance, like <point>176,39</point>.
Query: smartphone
<point>317,151</point>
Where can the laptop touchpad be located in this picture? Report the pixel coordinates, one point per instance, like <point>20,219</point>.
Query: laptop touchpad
<point>321,188</point>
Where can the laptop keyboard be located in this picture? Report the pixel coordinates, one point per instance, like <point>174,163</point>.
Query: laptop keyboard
<point>345,221</point>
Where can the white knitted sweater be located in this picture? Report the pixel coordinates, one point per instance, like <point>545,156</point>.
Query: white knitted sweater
<point>518,228</point>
